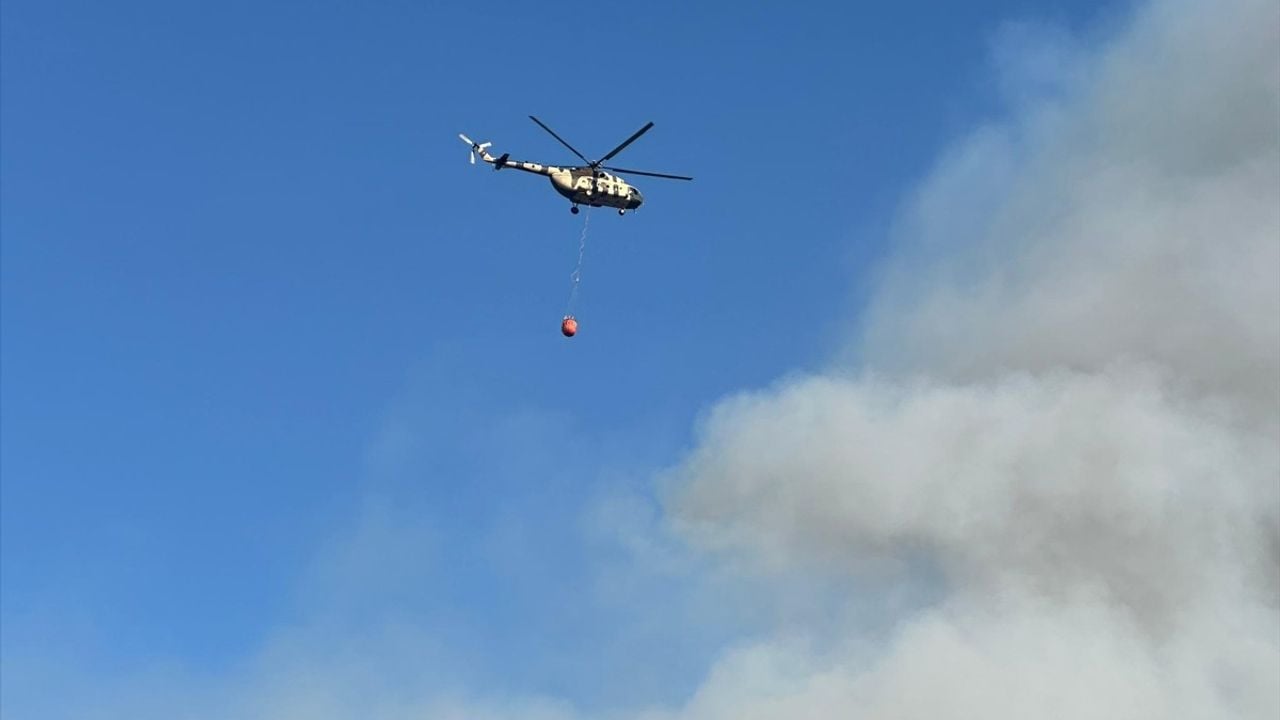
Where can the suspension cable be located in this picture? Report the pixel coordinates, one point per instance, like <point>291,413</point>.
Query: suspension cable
<point>576,276</point>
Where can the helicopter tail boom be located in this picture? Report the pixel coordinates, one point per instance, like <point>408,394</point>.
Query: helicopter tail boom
<point>504,160</point>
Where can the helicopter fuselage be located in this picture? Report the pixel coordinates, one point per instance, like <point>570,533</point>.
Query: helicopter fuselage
<point>582,185</point>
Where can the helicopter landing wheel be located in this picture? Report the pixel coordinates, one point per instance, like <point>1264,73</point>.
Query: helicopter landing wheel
<point>573,209</point>
<point>622,212</point>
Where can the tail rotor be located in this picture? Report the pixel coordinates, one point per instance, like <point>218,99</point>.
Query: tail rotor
<point>475,147</point>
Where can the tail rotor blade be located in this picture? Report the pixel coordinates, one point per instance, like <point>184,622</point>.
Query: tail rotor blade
<point>475,147</point>
<point>472,143</point>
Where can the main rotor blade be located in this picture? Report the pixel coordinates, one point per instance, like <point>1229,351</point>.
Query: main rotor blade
<point>562,142</point>
<point>628,141</point>
<point>641,172</point>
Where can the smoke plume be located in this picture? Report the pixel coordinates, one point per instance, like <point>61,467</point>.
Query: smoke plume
<point>1064,412</point>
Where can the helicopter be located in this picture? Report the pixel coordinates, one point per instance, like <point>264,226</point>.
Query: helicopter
<point>587,184</point>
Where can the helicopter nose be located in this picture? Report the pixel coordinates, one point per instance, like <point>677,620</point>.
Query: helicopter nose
<point>636,198</point>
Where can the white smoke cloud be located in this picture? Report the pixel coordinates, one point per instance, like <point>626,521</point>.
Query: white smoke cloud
<point>1066,405</point>
<point>1136,219</point>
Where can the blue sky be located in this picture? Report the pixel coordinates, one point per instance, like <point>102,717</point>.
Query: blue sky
<point>274,355</point>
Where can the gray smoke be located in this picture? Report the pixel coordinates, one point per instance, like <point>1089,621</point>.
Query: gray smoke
<point>1065,409</point>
